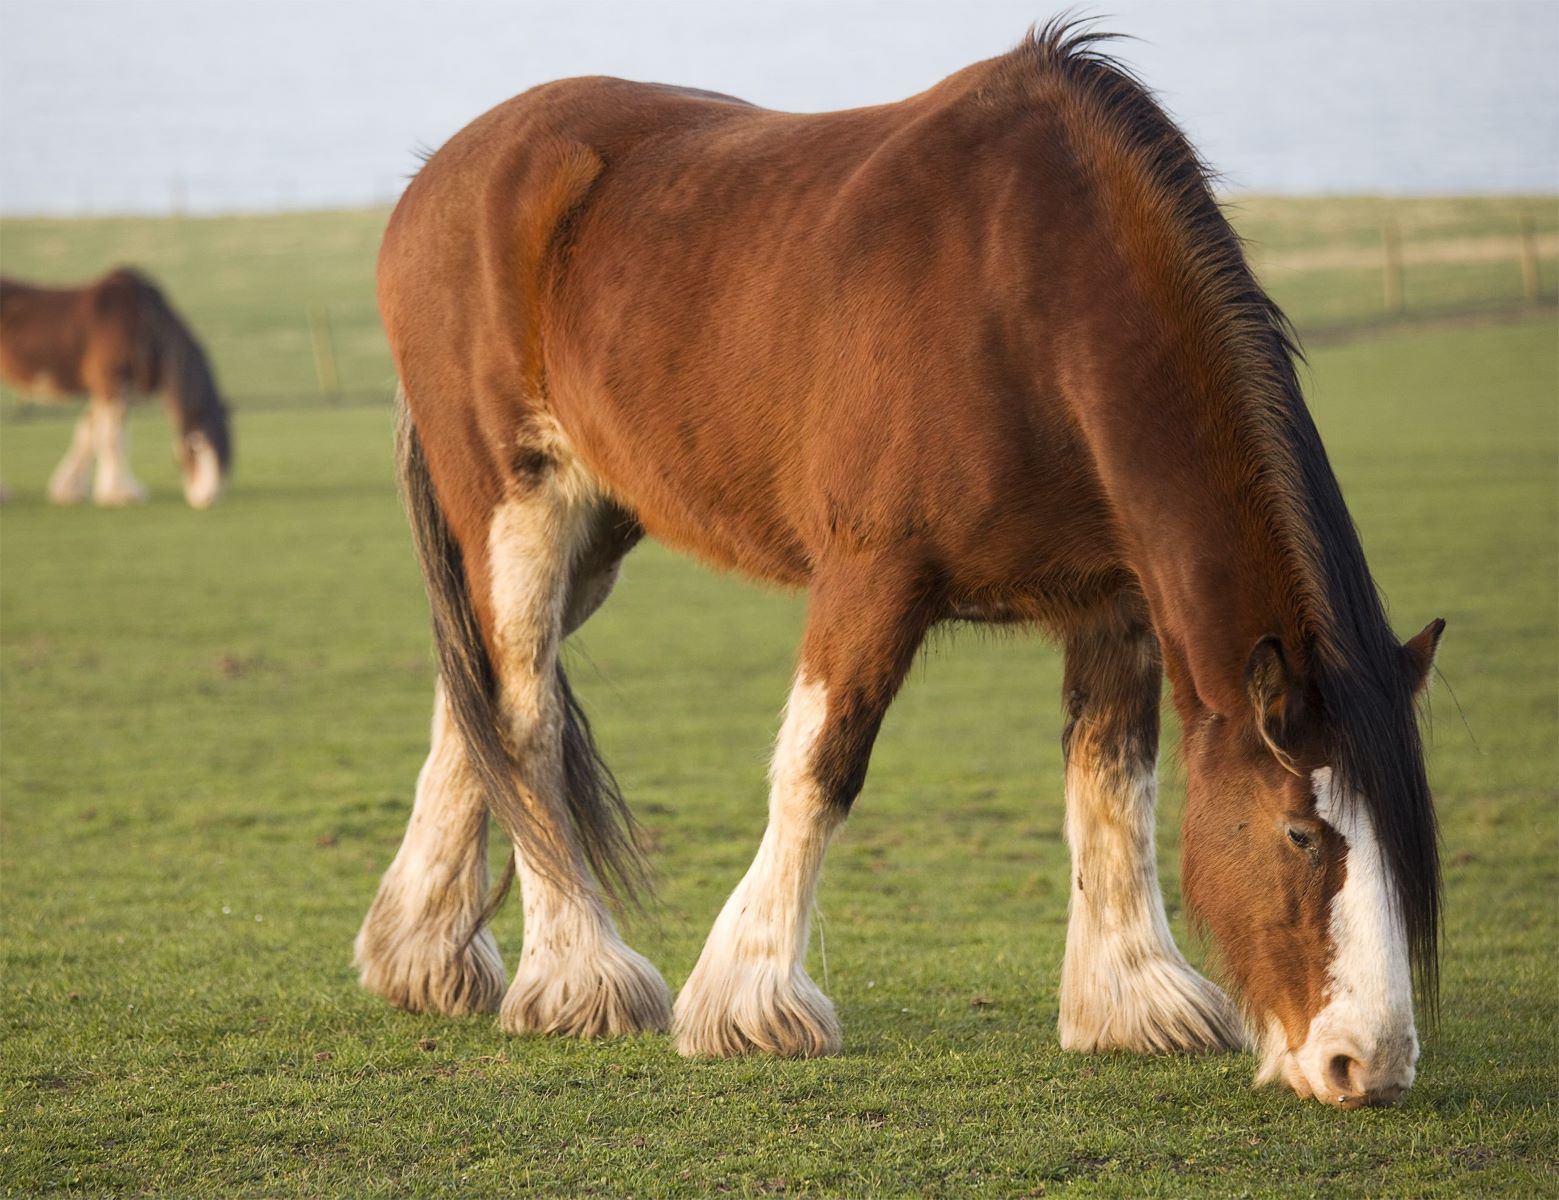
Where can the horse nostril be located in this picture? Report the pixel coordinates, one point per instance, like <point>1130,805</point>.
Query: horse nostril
<point>1352,1084</point>
<point>1341,1072</point>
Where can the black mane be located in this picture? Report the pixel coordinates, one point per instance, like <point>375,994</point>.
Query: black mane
<point>1356,667</point>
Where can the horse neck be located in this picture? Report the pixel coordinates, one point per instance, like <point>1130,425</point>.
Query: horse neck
<point>1215,590</point>
<point>1210,491</point>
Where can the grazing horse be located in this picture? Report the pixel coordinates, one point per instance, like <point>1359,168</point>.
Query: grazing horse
<point>991,354</point>
<point>115,341</point>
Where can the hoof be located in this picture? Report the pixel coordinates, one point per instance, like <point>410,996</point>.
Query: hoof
<point>425,971</point>
<point>754,1009</point>
<point>120,499</point>
<point>1161,1007</point>
<point>203,493</point>
<point>613,994</point>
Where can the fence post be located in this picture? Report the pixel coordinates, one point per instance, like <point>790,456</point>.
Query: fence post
<point>325,354</point>
<point>1391,240</point>
<point>1530,282</point>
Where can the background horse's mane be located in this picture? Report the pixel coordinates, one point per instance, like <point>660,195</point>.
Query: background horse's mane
<point>1245,352</point>
<point>171,360</point>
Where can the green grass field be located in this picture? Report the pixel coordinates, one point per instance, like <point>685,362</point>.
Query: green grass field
<point>210,724</point>
<point>249,284</point>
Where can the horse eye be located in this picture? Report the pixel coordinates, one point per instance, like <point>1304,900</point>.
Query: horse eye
<point>1301,839</point>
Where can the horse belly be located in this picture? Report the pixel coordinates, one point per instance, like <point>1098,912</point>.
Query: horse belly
<point>725,508</point>
<point>36,362</point>
<point>1010,515</point>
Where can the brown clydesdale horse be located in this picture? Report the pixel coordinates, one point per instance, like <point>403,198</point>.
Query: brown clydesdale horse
<point>115,341</point>
<point>991,353</point>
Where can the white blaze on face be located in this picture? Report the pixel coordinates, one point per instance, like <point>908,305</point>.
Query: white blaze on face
<point>1362,1044</point>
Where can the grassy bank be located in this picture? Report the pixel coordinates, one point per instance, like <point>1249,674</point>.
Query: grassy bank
<point>256,287</point>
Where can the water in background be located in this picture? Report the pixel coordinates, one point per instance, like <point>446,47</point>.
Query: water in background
<point>224,105</point>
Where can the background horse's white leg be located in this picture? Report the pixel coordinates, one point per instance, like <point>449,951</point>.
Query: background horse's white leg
<point>115,484</point>
<point>750,990</point>
<point>71,479</point>
<point>576,976</point>
<point>421,946</point>
<point>1124,984</point>
<point>203,473</point>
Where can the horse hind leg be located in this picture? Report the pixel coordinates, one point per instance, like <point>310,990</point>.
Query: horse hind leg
<point>524,754</point>
<point>71,480</point>
<point>553,551</point>
<point>1124,984</point>
<point>750,990</point>
<point>423,945</point>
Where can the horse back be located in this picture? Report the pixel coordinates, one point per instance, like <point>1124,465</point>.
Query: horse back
<point>71,341</point>
<point>42,338</point>
<point>465,269</point>
<point>769,334</point>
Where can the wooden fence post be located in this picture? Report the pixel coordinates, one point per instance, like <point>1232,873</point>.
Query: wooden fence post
<point>1391,240</point>
<point>1531,283</point>
<point>325,354</point>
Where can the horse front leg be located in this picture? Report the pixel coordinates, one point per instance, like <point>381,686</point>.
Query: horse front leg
<point>114,484</point>
<point>71,479</point>
<point>1124,984</point>
<point>750,990</point>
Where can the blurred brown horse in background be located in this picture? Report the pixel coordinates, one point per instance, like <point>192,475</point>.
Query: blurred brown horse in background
<point>992,353</point>
<point>115,341</point>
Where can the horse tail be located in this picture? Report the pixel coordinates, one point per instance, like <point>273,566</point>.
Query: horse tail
<point>595,807</point>
<point>175,363</point>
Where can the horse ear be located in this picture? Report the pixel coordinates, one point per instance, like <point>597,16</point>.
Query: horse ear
<point>1420,651</point>
<point>1271,691</point>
